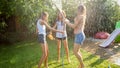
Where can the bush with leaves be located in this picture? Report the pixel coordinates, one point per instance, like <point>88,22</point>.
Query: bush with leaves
<point>22,12</point>
<point>102,15</point>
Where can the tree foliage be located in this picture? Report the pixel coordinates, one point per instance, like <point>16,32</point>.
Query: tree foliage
<point>101,14</point>
<point>22,12</point>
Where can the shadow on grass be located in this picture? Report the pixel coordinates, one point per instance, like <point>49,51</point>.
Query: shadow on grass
<point>26,44</point>
<point>88,58</point>
<point>103,53</point>
<point>97,62</point>
<point>30,53</point>
<point>52,63</point>
<point>61,65</point>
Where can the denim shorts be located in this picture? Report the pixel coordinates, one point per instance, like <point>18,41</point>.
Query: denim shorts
<point>41,38</point>
<point>79,38</point>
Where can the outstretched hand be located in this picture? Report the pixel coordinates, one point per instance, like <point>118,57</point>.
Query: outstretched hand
<point>66,21</point>
<point>62,32</point>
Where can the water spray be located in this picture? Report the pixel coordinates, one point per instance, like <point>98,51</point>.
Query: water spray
<point>58,5</point>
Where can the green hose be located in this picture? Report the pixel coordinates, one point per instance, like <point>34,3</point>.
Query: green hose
<point>62,53</point>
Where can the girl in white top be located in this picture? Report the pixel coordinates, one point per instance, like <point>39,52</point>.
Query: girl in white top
<point>62,27</point>
<point>41,30</point>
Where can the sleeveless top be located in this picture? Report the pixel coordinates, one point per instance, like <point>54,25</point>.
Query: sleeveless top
<point>41,28</point>
<point>62,27</point>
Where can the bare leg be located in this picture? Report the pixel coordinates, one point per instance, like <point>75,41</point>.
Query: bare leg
<point>67,49</point>
<point>58,48</point>
<point>46,59</point>
<point>43,55</point>
<point>78,55</point>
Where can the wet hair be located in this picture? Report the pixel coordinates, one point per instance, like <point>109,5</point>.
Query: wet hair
<point>82,9</point>
<point>44,14</point>
<point>63,12</point>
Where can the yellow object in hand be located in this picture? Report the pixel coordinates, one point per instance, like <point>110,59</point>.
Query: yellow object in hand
<point>50,36</point>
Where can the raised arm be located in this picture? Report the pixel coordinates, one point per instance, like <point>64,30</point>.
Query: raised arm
<point>75,24</point>
<point>72,25</point>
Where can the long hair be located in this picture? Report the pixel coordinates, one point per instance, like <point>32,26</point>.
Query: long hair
<point>82,9</point>
<point>58,19</point>
<point>63,13</point>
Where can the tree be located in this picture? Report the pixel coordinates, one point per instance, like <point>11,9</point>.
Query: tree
<point>18,17</point>
<point>101,14</point>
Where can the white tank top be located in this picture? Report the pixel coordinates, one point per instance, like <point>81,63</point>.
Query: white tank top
<point>62,27</point>
<point>41,28</point>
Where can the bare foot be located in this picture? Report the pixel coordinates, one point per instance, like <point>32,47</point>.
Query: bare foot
<point>69,61</point>
<point>58,61</point>
<point>81,66</point>
<point>38,66</point>
<point>46,65</point>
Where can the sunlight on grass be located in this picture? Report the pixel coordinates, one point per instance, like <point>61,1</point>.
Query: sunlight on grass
<point>27,55</point>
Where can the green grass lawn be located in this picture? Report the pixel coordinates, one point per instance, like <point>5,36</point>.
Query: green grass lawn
<point>27,55</point>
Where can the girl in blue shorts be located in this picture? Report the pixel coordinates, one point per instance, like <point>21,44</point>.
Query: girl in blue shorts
<point>41,30</point>
<point>78,26</point>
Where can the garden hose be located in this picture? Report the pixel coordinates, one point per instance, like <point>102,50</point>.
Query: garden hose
<point>62,52</point>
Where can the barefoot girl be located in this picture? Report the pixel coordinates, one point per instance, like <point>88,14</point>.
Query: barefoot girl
<point>41,29</point>
<point>78,26</point>
<point>62,27</point>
